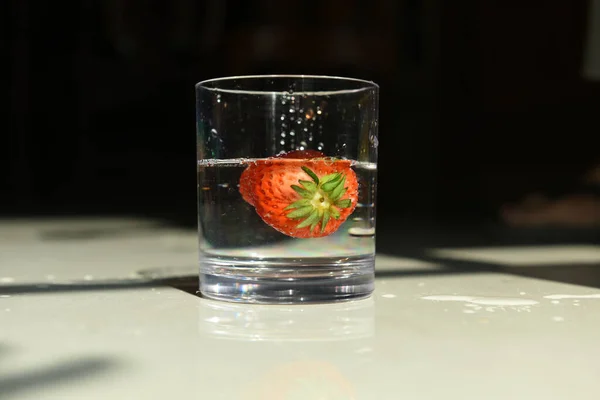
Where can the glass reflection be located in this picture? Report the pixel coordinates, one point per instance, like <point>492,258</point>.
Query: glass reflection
<point>318,351</point>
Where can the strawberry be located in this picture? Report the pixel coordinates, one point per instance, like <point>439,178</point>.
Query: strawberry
<point>247,183</point>
<point>301,197</point>
<point>247,178</point>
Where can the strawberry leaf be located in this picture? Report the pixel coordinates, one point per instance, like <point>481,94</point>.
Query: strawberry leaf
<point>302,192</point>
<point>308,185</point>
<point>338,191</point>
<point>298,204</point>
<point>301,212</point>
<point>335,213</point>
<point>346,203</point>
<point>310,173</point>
<point>330,185</point>
<point>338,196</point>
<point>314,216</point>
<point>330,177</point>
<point>314,225</point>
<point>326,216</point>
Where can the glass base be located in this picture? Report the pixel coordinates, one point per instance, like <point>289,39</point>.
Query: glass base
<point>285,281</point>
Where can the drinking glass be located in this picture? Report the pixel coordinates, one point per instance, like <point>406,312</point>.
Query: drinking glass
<point>286,188</point>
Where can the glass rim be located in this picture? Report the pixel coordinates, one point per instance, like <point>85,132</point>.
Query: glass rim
<point>368,85</point>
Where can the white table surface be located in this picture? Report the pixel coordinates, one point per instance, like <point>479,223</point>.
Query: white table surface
<point>430,336</point>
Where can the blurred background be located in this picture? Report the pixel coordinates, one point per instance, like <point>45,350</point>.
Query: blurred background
<point>482,102</point>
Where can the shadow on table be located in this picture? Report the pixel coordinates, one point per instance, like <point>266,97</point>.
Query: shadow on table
<point>186,283</point>
<point>41,378</point>
<point>420,244</point>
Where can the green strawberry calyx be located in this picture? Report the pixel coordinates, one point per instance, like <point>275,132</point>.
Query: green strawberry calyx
<point>321,200</point>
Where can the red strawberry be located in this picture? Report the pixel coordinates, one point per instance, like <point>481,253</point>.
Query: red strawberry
<point>247,183</point>
<point>301,198</point>
<point>247,178</point>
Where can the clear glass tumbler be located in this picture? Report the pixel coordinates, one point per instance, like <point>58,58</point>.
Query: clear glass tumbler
<point>286,188</point>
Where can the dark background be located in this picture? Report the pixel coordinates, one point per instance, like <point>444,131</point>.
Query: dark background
<point>481,101</point>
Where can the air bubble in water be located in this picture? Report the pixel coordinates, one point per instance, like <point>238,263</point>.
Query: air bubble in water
<point>299,121</point>
<point>282,134</point>
<point>320,146</point>
<point>213,132</point>
<point>282,142</point>
<point>303,143</point>
<point>223,185</point>
<point>218,98</point>
<point>292,110</point>
<point>283,117</point>
<point>292,133</point>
